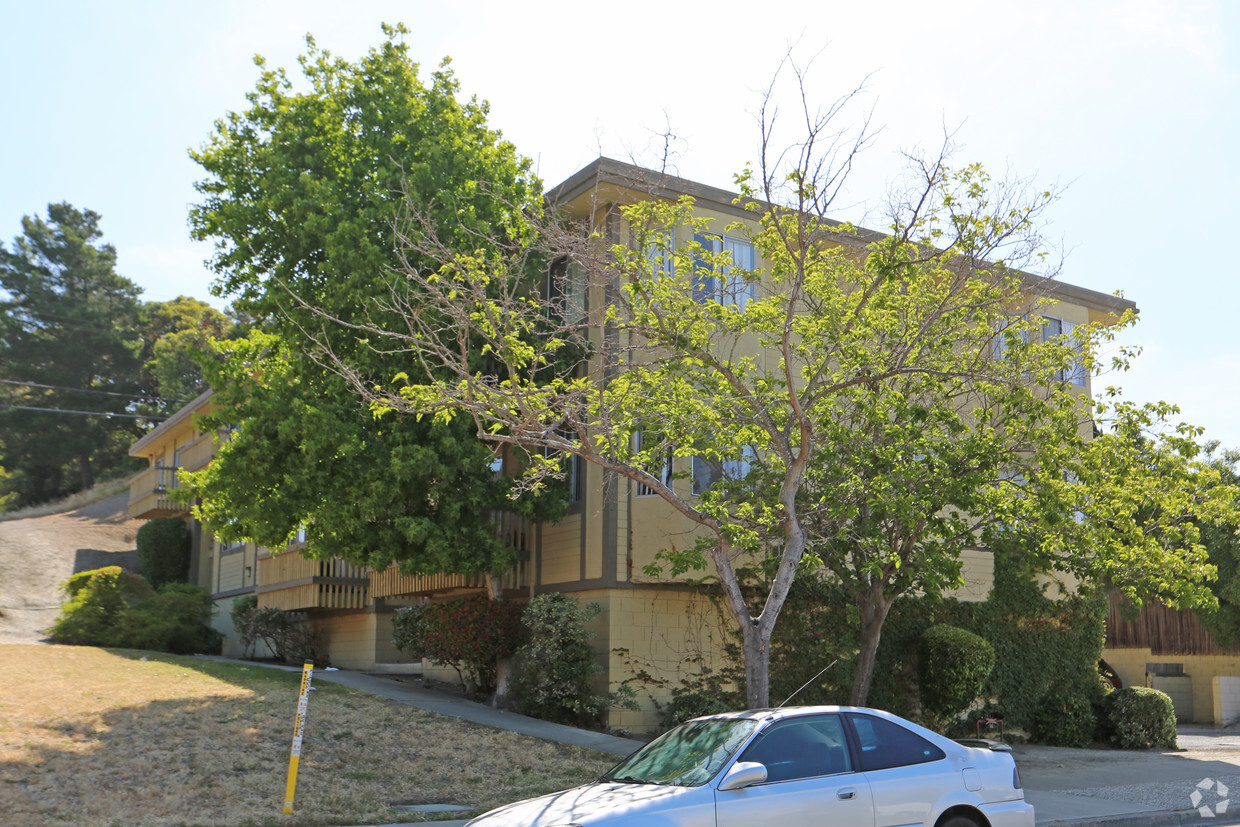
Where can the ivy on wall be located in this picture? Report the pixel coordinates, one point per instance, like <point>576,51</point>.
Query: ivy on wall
<point>1042,644</point>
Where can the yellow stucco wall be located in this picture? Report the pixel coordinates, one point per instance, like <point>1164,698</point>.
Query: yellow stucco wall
<point>1129,664</point>
<point>662,631</point>
<point>350,638</point>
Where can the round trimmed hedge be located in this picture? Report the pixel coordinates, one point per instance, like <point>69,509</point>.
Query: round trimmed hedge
<point>952,668</point>
<point>1139,717</point>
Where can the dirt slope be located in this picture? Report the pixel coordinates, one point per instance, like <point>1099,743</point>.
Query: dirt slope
<point>39,553</point>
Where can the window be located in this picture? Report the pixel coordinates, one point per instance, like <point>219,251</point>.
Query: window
<point>999,342</point>
<point>573,467</point>
<point>566,291</point>
<point>801,748</point>
<point>659,250</point>
<point>576,479</point>
<point>664,472</point>
<point>1052,328</point>
<point>727,283</point>
<point>885,744</point>
<point>707,472</point>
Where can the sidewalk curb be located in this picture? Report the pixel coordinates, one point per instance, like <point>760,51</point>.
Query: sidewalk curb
<point>1154,818</point>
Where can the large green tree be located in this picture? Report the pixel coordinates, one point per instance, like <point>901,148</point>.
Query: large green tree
<point>301,194</point>
<point>70,340</point>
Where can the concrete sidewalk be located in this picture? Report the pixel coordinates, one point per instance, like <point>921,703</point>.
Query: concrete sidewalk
<point>1104,788</point>
<point>1129,788</point>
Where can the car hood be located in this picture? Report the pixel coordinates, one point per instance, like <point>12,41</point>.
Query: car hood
<point>593,802</point>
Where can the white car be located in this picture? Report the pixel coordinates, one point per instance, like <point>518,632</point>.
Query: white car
<point>836,765</point>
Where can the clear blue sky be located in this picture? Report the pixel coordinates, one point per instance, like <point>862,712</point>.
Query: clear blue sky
<point>1134,106</point>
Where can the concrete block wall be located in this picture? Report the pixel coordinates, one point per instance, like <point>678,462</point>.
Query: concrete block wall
<point>666,632</point>
<point>349,638</point>
<point>1226,699</point>
<point>1180,690</point>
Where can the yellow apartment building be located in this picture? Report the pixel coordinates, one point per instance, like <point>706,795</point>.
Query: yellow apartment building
<point>614,527</point>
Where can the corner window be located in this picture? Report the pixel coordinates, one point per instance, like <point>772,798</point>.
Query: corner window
<point>1053,328</point>
<point>885,744</point>
<point>726,283</point>
<point>566,291</point>
<point>659,250</point>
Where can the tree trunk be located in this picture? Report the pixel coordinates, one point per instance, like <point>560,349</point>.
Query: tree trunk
<point>503,666</point>
<point>757,651</point>
<point>88,476</point>
<point>874,607</point>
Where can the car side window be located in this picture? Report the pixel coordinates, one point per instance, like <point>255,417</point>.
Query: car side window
<point>885,744</point>
<point>805,747</point>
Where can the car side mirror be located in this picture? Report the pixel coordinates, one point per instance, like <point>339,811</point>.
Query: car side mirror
<point>743,774</point>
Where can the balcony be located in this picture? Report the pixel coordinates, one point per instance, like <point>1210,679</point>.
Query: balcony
<point>198,453</point>
<point>291,582</point>
<point>148,494</point>
<point>516,531</point>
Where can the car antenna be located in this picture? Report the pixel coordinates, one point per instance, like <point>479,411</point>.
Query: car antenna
<point>808,682</point>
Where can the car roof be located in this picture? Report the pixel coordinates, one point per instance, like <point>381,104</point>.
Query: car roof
<point>775,713</point>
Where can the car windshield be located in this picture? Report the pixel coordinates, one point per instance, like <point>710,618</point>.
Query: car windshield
<point>687,755</point>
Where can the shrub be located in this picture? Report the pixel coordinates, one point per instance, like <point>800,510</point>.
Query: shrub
<point>164,551</point>
<point>1064,718</point>
<point>97,600</point>
<point>242,616</point>
<point>470,635</point>
<point>685,706</point>
<point>553,674</point>
<point>175,619</point>
<point>288,639</point>
<point>1139,717</point>
<point>953,667</point>
<point>113,607</point>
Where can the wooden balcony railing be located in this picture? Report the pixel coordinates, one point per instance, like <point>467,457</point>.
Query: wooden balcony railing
<point>197,453</point>
<point>291,582</point>
<point>148,494</point>
<point>516,531</point>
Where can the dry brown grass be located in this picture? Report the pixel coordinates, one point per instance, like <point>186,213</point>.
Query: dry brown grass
<point>103,490</point>
<point>93,736</point>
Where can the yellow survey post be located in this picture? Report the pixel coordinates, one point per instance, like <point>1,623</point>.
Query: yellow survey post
<point>294,757</point>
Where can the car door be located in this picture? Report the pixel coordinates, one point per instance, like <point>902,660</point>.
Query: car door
<point>907,774</point>
<point>810,779</point>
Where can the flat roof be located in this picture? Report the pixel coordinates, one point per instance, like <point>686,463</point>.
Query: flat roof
<point>608,171</point>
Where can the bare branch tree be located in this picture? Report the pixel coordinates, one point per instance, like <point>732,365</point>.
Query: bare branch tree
<point>612,327</point>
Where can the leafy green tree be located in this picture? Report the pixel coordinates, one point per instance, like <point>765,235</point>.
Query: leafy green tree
<point>178,334</point>
<point>70,328</point>
<point>1222,540</point>
<point>300,198</point>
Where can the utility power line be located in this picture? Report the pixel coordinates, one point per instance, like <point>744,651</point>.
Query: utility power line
<point>86,390</point>
<point>85,413</point>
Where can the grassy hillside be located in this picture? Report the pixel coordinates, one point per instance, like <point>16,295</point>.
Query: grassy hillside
<point>93,736</point>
